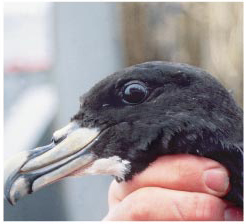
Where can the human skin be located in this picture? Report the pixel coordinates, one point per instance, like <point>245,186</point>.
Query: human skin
<point>174,187</point>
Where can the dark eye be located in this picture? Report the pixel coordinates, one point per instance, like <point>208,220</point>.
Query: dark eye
<point>134,92</point>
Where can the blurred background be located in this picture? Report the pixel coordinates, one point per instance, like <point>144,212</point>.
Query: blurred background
<point>54,52</point>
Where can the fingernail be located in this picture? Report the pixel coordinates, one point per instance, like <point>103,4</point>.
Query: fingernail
<point>217,179</point>
<point>233,214</point>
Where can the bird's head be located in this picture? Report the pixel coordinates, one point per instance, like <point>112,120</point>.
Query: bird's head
<point>123,124</point>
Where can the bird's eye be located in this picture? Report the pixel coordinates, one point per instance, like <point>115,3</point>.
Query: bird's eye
<point>134,92</point>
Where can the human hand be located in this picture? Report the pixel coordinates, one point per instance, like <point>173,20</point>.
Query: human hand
<point>174,187</point>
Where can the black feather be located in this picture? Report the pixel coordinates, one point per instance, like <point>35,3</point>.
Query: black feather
<point>186,111</point>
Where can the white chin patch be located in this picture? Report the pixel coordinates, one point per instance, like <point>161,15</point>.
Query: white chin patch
<point>110,166</point>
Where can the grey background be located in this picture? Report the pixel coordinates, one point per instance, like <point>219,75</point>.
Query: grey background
<point>87,48</point>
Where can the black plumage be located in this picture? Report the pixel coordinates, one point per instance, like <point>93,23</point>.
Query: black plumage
<point>186,111</point>
<point>153,109</point>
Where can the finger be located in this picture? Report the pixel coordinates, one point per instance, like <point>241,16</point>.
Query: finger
<point>177,172</point>
<point>156,204</point>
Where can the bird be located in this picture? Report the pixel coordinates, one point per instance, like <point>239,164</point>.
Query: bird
<point>132,117</point>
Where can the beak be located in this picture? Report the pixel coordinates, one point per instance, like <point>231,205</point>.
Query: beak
<point>69,152</point>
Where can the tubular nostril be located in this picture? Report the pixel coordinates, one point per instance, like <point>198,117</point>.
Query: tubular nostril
<point>57,140</point>
<point>61,134</point>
